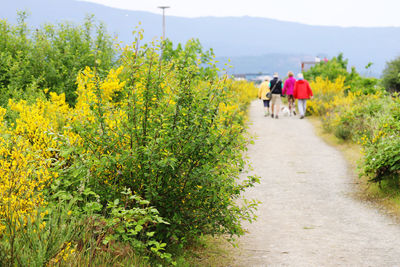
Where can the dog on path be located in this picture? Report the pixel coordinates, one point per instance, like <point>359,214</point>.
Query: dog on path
<point>285,111</point>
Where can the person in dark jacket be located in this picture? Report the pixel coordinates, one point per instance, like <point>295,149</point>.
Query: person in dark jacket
<point>276,90</point>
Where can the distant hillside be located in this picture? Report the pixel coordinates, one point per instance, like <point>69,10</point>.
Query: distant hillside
<point>246,40</point>
<point>268,63</point>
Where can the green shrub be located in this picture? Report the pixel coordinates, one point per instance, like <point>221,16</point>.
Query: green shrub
<point>133,221</point>
<point>391,75</point>
<point>343,132</point>
<point>362,111</point>
<point>173,137</point>
<point>382,145</point>
<point>382,161</point>
<point>333,69</point>
<point>338,67</point>
<point>49,57</point>
<point>151,156</point>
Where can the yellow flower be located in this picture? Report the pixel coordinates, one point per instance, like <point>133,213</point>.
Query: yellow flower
<point>42,225</point>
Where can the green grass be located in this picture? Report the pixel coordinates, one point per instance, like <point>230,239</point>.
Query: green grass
<point>118,256</point>
<point>208,251</point>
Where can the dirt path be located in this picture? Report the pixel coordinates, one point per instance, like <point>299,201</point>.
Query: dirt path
<point>309,216</point>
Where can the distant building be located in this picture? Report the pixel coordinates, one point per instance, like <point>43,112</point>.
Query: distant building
<point>306,65</point>
<point>251,77</point>
<point>239,77</point>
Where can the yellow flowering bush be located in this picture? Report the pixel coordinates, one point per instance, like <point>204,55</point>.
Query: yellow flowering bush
<point>25,160</point>
<point>327,95</point>
<point>368,117</point>
<point>170,135</point>
<point>29,147</point>
<point>381,143</point>
<point>169,132</point>
<point>344,111</point>
<point>244,91</point>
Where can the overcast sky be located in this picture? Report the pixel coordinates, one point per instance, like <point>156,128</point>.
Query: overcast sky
<point>346,13</point>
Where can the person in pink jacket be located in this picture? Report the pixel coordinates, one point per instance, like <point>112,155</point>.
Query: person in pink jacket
<point>288,88</point>
<point>302,91</point>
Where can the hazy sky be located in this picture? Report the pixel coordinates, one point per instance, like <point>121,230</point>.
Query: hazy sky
<point>315,12</point>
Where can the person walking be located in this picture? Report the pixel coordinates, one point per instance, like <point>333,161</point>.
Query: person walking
<point>302,92</point>
<point>262,94</point>
<point>288,88</point>
<point>276,92</point>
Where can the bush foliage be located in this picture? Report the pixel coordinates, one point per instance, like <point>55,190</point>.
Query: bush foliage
<point>146,154</point>
<point>391,76</point>
<point>336,68</point>
<point>49,57</point>
<point>354,111</point>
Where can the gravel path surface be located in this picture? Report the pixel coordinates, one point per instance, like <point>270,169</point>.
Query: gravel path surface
<point>308,215</point>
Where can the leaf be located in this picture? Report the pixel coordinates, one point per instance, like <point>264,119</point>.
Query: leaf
<point>138,228</point>
<point>150,234</point>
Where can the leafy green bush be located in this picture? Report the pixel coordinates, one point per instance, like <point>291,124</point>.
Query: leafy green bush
<point>333,69</point>
<point>370,119</point>
<point>342,131</point>
<point>360,110</point>
<point>49,57</point>
<point>191,53</point>
<point>382,146</point>
<point>132,221</point>
<point>338,67</point>
<point>170,135</point>
<point>391,75</point>
<point>382,161</point>
<point>129,223</point>
<point>362,117</point>
<point>150,153</point>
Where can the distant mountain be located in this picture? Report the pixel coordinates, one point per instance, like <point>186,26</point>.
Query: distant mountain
<point>267,63</point>
<point>253,44</point>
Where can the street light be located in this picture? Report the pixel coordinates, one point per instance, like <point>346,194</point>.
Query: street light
<point>163,15</point>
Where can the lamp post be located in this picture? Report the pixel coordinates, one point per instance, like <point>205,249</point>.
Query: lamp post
<point>163,15</point>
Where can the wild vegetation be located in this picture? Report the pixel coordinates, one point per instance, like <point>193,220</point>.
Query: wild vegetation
<point>49,57</point>
<point>364,111</point>
<point>115,160</point>
<point>125,155</point>
<point>391,75</point>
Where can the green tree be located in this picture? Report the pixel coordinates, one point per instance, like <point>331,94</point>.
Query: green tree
<point>191,54</point>
<point>338,66</point>
<point>50,57</point>
<point>332,69</point>
<point>391,76</point>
